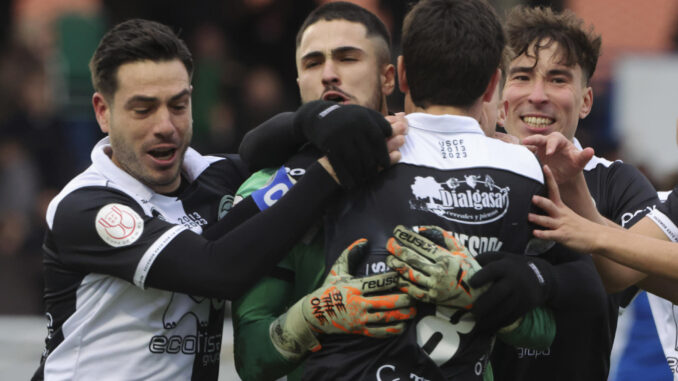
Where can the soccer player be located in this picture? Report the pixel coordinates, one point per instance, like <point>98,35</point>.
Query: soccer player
<point>649,246</point>
<point>453,175</point>
<point>343,55</point>
<point>143,247</point>
<point>547,90</point>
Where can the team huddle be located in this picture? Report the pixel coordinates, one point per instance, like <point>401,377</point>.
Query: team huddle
<point>357,244</point>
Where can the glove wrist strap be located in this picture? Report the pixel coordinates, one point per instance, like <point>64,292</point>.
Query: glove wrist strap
<point>292,336</point>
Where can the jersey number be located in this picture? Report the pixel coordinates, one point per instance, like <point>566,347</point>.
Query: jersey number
<point>439,337</point>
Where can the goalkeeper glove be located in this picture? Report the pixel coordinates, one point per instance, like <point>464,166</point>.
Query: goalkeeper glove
<point>342,306</point>
<point>433,273</point>
<point>353,138</point>
<point>520,283</point>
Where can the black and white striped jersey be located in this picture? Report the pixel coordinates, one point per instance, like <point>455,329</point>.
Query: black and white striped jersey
<point>105,232</point>
<point>582,346</point>
<point>453,176</point>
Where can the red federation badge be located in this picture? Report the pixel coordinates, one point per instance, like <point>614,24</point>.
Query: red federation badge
<point>118,225</point>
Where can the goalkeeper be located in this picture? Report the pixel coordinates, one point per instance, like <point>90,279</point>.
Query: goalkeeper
<point>451,174</point>
<point>259,353</point>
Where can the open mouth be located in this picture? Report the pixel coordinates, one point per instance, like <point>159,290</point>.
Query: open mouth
<point>537,121</point>
<point>163,153</point>
<point>335,97</point>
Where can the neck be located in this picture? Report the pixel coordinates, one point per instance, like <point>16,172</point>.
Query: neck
<point>475,111</point>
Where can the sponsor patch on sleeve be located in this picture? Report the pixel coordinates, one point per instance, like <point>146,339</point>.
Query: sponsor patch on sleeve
<point>118,225</point>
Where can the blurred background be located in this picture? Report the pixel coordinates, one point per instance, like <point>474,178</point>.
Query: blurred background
<point>245,73</point>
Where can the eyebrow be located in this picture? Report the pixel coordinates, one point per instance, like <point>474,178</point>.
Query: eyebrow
<point>147,99</point>
<point>334,52</point>
<point>529,69</point>
<point>563,72</point>
<point>521,69</point>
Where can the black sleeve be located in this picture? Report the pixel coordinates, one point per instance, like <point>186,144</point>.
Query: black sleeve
<point>630,196</point>
<point>577,285</point>
<point>227,267</point>
<point>271,143</point>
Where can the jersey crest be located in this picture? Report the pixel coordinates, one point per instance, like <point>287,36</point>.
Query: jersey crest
<point>118,225</point>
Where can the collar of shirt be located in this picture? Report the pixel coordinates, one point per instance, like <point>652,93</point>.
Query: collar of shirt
<point>452,124</point>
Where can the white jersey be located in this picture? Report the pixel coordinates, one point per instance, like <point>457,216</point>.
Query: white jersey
<point>664,312</point>
<point>105,230</point>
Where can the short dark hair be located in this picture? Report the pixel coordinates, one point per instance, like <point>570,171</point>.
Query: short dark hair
<point>130,41</point>
<point>451,48</point>
<point>542,27</point>
<point>341,10</point>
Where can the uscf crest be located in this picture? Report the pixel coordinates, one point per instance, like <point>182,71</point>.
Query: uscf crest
<point>118,225</point>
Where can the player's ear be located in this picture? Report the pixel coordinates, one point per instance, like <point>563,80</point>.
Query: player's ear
<point>492,86</point>
<point>502,108</point>
<point>402,76</point>
<point>388,79</point>
<point>587,102</point>
<point>102,111</point>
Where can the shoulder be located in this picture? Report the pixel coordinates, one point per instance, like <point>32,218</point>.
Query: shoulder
<point>86,189</point>
<point>75,215</point>
<point>256,181</point>
<point>465,150</point>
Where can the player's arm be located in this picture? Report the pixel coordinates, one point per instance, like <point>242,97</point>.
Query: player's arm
<point>566,163</point>
<point>537,330</point>
<point>271,143</point>
<point>645,248</point>
<point>332,128</point>
<point>165,256</point>
<point>255,355</point>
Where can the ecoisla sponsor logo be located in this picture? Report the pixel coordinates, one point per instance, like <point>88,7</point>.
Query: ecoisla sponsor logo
<point>187,328</point>
<point>474,200</point>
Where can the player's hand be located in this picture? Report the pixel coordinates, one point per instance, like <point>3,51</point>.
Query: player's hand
<point>563,224</point>
<point>560,154</point>
<point>517,284</point>
<point>430,272</point>
<point>344,305</point>
<point>352,137</point>
<point>399,126</point>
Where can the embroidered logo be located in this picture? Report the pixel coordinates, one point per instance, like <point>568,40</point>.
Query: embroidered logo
<point>118,225</point>
<point>472,200</point>
<point>225,205</point>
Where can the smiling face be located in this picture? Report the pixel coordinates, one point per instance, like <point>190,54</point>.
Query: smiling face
<point>149,122</point>
<point>547,97</point>
<point>337,61</point>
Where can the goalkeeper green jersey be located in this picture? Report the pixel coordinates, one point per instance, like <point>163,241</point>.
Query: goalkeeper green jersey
<point>295,276</point>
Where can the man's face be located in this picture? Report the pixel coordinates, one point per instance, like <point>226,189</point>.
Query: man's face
<point>336,61</point>
<point>545,98</point>
<point>149,121</point>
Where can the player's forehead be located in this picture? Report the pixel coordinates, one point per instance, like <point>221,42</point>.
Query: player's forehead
<point>325,36</point>
<point>544,57</point>
<point>151,79</point>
